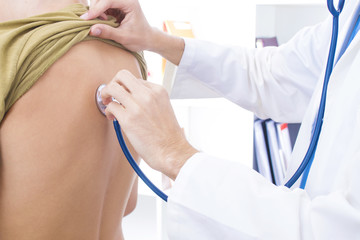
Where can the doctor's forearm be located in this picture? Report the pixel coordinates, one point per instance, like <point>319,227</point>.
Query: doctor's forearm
<point>168,46</point>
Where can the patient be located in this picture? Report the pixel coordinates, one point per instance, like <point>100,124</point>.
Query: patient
<point>62,172</point>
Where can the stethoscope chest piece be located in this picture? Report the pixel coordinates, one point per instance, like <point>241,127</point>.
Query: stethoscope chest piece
<point>98,99</point>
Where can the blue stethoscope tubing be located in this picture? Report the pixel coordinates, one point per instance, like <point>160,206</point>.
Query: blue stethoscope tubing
<point>305,165</point>
<point>134,165</point>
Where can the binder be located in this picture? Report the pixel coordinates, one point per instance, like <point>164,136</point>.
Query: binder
<point>265,42</point>
<point>277,161</point>
<point>261,151</point>
<point>285,147</point>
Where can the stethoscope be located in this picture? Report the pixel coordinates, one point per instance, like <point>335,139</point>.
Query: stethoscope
<point>305,165</point>
<point>125,149</point>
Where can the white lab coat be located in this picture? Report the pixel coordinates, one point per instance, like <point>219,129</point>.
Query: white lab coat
<point>219,199</point>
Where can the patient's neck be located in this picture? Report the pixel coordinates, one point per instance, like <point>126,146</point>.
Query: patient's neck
<point>17,9</point>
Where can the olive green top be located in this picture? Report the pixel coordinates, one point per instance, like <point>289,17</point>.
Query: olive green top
<point>28,47</point>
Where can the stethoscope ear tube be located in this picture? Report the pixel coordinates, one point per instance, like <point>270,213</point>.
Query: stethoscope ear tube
<point>134,164</point>
<point>335,12</point>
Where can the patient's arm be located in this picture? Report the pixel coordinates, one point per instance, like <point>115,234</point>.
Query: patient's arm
<point>63,174</point>
<point>131,205</point>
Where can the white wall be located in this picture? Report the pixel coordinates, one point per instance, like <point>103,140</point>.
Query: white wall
<point>284,21</point>
<point>226,22</point>
<point>221,22</point>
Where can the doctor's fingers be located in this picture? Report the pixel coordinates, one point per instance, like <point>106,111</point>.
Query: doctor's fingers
<point>115,110</point>
<point>97,7</point>
<point>107,32</point>
<point>115,91</point>
<point>158,91</point>
<point>126,114</point>
<point>136,86</point>
<point>148,95</point>
<point>95,12</point>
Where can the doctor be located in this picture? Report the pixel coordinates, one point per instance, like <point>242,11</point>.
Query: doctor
<point>218,199</point>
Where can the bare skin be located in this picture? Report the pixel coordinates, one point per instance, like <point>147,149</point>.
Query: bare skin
<point>62,173</point>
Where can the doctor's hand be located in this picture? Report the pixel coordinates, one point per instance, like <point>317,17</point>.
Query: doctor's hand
<point>134,31</point>
<point>145,114</point>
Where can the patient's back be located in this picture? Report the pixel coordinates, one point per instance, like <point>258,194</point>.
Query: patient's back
<point>63,174</point>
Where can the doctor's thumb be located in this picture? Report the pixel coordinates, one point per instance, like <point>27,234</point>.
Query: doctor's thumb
<point>106,32</point>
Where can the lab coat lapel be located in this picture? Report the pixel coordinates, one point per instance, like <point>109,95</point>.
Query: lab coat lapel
<point>346,25</point>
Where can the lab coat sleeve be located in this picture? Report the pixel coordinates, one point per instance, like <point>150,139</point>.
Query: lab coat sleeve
<point>272,82</point>
<point>218,199</point>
